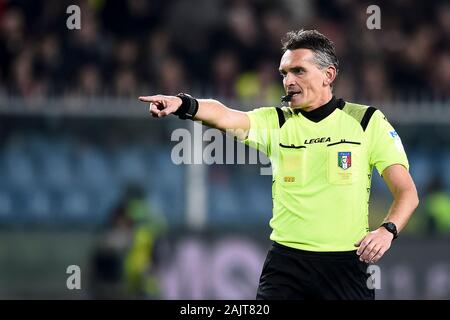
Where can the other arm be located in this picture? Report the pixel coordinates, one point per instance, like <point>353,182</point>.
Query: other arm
<point>373,246</point>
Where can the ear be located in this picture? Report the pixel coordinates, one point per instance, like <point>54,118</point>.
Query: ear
<point>330,75</point>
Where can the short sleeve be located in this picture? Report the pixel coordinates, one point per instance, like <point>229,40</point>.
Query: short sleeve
<point>386,147</point>
<point>262,123</point>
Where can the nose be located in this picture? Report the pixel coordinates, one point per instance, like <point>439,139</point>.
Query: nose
<point>289,80</point>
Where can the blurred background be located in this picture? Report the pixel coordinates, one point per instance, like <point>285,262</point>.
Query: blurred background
<point>86,176</point>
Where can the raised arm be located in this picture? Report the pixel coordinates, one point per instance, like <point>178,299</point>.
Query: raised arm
<point>211,112</point>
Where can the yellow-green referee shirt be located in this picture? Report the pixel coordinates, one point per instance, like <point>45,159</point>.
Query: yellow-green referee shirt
<point>322,163</point>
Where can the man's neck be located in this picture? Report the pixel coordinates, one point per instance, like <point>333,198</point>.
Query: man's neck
<point>323,111</point>
<point>320,102</point>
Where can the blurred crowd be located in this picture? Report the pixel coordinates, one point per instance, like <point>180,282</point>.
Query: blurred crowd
<point>228,49</point>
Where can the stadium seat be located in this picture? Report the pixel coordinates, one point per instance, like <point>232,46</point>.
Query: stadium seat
<point>422,169</point>
<point>38,206</point>
<point>19,168</point>
<point>54,168</point>
<point>445,169</point>
<point>75,205</point>
<point>6,206</point>
<point>256,200</point>
<point>93,169</point>
<point>223,205</point>
<point>129,165</point>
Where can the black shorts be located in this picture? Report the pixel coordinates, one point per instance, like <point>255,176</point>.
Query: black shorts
<point>290,273</point>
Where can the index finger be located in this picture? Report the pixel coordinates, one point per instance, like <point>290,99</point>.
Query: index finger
<point>149,98</point>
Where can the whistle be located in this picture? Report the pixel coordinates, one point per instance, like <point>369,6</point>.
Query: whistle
<point>287,97</point>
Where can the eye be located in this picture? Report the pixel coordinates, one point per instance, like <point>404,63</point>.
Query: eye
<point>283,74</point>
<point>298,70</point>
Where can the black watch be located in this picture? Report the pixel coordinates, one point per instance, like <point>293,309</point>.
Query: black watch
<point>391,227</point>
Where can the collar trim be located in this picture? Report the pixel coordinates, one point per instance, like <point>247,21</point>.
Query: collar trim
<point>323,111</point>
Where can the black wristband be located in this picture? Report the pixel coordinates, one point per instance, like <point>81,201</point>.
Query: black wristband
<point>188,108</point>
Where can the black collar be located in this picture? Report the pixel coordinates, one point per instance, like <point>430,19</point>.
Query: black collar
<point>322,112</point>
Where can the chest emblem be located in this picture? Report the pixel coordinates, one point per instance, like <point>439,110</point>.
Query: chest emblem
<point>344,160</point>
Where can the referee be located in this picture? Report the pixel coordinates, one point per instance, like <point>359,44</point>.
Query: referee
<point>323,151</point>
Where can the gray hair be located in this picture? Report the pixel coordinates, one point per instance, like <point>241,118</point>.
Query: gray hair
<point>322,47</point>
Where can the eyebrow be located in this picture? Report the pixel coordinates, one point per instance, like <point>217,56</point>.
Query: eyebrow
<point>282,70</point>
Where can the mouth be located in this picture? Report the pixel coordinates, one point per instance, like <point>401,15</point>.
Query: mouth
<point>290,94</point>
<point>293,93</point>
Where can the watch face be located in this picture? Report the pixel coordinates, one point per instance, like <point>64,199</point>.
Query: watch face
<point>391,228</point>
